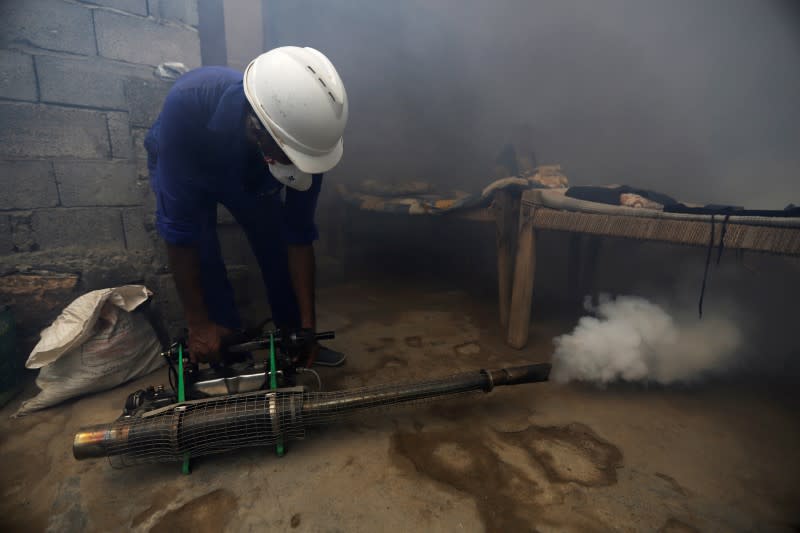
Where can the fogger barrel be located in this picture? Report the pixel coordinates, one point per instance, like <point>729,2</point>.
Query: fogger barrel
<point>214,425</point>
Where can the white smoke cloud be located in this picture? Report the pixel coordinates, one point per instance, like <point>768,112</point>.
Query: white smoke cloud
<point>632,339</point>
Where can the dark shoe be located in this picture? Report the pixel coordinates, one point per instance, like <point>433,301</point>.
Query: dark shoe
<point>328,357</point>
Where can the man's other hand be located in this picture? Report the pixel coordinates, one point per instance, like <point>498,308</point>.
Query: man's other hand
<point>205,341</point>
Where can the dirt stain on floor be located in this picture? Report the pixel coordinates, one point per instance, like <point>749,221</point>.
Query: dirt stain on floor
<point>26,467</point>
<point>467,348</point>
<point>389,361</point>
<point>414,341</point>
<point>673,525</point>
<point>161,498</point>
<point>674,485</point>
<point>509,475</point>
<point>295,521</point>
<point>205,514</point>
<point>571,453</point>
<point>380,344</point>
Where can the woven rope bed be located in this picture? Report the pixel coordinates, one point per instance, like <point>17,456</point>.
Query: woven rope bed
<point>554,211</point>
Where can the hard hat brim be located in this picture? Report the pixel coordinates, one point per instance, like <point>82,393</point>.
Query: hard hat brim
<point>312,164</point>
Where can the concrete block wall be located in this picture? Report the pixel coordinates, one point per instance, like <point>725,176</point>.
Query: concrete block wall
<point>77,94</point>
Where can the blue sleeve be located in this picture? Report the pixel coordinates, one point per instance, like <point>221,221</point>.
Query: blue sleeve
<point>299,209</point>
<point>184,209</point>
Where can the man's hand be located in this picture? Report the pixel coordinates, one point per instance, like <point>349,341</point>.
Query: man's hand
<point>205,337</point>
<point>205,341</point>
<point>301,345</point>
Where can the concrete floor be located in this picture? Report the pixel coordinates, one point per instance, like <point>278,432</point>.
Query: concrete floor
<point>538,457</point>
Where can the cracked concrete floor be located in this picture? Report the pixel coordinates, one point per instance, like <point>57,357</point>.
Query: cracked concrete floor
<point>542,457</point>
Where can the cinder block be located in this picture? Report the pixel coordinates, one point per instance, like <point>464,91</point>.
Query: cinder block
<point>119,131</point>
<point>50,24</point>
<point>89,227</point>
<point>148,199</point>
<point>22,234</point>
<point>104,270</point>
<point>27,184</point>
<point>97,183</point>
<point>160,262</point>
<point>139,7</point>
<point>37,297</point>
<point>32,131</point>
<point>139,151</point>
<point>184,11</point>
<point>6,242</point>
<point>142,172</point>
<point>17,78</point>
<point>145,99</point>
<point>139,230</point>
<point>90,82</point>
<point>139,40</point>
<point>165,296</point>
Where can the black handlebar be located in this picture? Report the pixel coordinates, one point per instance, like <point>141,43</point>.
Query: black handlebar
<point>325,335</point>
<point>288,340</point>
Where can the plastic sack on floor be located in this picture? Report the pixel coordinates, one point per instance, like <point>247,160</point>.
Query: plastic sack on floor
<point>95,344</point>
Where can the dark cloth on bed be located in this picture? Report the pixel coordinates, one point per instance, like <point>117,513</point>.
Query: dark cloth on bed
<point>610,195</point>
<point>791,211</point>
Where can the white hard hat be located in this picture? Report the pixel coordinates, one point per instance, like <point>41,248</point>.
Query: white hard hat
<point>300,99</point>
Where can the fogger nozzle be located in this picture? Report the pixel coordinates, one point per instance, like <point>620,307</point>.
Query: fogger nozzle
<point>96,441</point>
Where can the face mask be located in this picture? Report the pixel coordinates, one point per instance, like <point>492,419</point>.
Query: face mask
<point>290,176</point>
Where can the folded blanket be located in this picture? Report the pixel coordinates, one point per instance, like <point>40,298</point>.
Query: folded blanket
<point>419,198</point>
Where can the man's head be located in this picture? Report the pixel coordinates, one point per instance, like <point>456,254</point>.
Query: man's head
<point>300,104</point>
<point>257,134</point>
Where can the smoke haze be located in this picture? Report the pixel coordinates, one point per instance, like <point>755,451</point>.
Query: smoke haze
<point>633,339</point>
<point>695,99</point>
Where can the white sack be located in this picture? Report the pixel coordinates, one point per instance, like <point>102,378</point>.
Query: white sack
<point>95,344</point>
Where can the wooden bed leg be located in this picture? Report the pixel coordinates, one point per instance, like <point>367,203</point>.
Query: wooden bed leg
<point>524,270</point>
<point>506,216</point>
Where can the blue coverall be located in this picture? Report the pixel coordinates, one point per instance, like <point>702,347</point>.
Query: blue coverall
<point>198,156</point>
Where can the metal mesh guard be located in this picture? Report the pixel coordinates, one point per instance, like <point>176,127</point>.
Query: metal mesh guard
<point>262,418</point>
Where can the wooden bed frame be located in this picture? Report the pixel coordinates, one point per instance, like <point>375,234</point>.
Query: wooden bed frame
<point>519,219</point>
